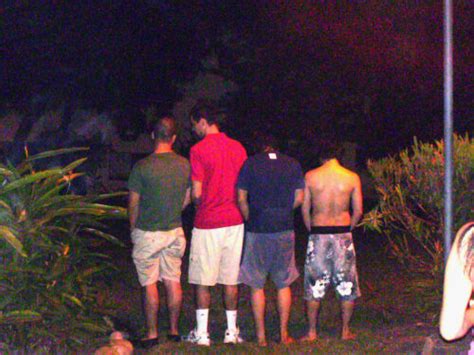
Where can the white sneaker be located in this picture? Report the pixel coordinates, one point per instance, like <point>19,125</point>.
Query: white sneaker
<point>198,339</point>
<point>232,337</point>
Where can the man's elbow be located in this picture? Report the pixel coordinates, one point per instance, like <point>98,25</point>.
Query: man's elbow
<point>298,202</point>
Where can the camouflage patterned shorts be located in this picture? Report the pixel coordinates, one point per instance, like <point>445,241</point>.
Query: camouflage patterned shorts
<point>330,258</point>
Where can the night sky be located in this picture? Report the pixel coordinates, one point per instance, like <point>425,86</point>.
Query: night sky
<point>370,71</point>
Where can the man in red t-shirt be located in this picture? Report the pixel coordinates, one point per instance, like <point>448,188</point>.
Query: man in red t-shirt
<point>217,237</point>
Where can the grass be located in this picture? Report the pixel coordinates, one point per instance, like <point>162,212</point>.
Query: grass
<point>390,317</point>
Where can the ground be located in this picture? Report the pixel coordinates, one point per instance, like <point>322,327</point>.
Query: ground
<point>390,317</point>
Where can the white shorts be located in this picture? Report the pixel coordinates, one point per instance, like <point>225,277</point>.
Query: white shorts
<point>215,255</point>
<point>157,255</point>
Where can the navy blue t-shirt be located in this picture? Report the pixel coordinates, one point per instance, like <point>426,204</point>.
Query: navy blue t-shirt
<point>270,180</point>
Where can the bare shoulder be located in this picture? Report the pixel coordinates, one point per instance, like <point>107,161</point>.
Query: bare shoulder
<point>350,174</point>
<point>310,175</point>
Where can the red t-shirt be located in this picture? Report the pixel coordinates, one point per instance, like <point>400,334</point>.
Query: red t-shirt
<point>216,162</point>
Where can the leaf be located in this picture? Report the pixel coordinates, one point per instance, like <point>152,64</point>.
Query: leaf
<point>5,172</point>
<point>20,317</point>
<point>54,153</point>
<point>74,165</point>
<point>11,239</point>
<point>110,195</point>
<point>27,180</point>
<point>92,327</point>
<point>73,299</point>
<point>105,236</point>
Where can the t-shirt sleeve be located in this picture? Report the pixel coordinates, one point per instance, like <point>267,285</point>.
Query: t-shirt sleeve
<point>197,168</point>
<point>243,180</point>
<point>135,182</point>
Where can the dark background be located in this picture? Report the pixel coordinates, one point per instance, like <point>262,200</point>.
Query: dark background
<point>370,72</point>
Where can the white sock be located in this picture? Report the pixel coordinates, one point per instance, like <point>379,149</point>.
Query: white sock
<point>231,320</point>
<point>202,315</point>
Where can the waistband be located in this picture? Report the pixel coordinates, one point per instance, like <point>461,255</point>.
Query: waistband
<point>330,229</point>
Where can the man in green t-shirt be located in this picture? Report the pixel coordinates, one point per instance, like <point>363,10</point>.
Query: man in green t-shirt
<point>159,189</point>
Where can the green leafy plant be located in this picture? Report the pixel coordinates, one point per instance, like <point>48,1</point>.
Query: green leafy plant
<point>52,253</point>
<point>410,187</point>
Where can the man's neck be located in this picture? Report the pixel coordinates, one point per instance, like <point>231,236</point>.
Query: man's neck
<point>331,162</point>
<point>213,129</point>
<point>163,148</point>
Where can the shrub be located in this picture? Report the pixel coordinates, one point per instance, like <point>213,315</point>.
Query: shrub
<point>410,187</point>
<point>50,254</point>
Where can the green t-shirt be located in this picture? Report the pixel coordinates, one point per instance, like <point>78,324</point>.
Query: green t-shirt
<point>161,180</point>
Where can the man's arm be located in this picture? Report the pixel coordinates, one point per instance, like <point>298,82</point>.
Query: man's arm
<point>299,197</point>
<point>197,192</point>
<point>187,198</point>
<point>243,203</point>
<point>306,207</point>
<point>457,311</point>
<point>133,204</point>
<point>356,201</point>
<point>456,315</point>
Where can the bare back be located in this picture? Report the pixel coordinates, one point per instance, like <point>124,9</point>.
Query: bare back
<point>330,192</point>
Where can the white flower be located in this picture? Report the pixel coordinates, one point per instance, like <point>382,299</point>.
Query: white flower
<point>319,287</point>
<point>344,288</point>
<point>351,247</point>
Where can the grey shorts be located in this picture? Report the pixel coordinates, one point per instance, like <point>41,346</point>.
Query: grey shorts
<point>331,258</point>
<point>269,254</point>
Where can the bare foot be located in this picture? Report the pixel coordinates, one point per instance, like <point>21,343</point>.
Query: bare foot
<point>262,342</point>
<point>310,337</point>
<point>287,340</point>
<point>348,335</point>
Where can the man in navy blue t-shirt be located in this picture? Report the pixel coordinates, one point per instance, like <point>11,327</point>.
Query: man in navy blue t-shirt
<point>270,187</point>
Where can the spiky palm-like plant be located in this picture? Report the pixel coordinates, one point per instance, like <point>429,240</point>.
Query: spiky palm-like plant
<point>50,252</point>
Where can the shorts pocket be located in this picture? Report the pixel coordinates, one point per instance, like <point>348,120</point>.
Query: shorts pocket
<point>178,247</point>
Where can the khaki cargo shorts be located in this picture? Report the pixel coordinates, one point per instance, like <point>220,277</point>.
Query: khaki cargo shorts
<point>157,255</point>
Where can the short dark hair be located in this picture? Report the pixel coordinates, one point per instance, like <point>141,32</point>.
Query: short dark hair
<point>331,149</point>
<point>164,129</point>
<point>265,140</point>
<point>206,109</point>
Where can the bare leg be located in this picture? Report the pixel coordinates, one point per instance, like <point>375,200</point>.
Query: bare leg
<point>284,307</point>
<point>258,308</point>
<point>174,297</point>
<point>231,297</point>
<point>347,307</point>
<point>203,297</point>
<point>151,303</point>
<point>312,313</point>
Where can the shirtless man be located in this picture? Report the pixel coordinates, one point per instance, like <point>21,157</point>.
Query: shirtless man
<point>330,258</point>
